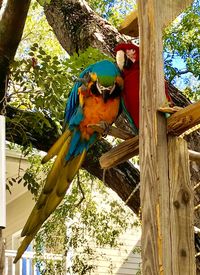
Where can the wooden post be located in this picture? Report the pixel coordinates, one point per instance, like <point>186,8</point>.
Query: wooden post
<point>2,253</point>
<point>157,236</point>
<point>181,208</point>
<point>2,191</point>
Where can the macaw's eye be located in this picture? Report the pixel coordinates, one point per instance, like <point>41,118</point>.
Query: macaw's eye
<point>131,54</point>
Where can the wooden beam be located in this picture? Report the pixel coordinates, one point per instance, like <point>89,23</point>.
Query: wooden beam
<point>153,142</point>
<point>184,119</point>
<point>104,129</point>
<point>130,25</point>
<point>124,151</point>
<point>197,186</point>
<point>129,149</point>
<point>181,207</point>
<point>194,156</point>
<point>171,9</point>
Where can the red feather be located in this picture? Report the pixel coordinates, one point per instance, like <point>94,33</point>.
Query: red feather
<point>131,77</point>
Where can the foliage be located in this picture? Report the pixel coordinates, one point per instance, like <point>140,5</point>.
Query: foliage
<point>37,30</point>
<point>113,10</point>
<point>182,49</point>
<point>192,93</point>
<point>32,177</point>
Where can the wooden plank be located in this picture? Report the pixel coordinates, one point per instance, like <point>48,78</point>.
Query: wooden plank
<point>129,149</point>
<point>194,156</point>
<point>170,9</point>
<point>102,128</point>
<point>181,208</point>
<point>120,153</point>
<point>130,24</point>
<point>184,119</point>
<point>153,141</point>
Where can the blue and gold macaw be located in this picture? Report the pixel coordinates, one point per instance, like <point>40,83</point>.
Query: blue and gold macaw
<point>94,98</point>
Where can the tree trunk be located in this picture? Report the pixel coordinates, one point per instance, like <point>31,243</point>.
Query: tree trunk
<point>11,28</point>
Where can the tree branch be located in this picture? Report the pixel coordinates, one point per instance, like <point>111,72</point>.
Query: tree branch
<point>11,28</point>
<point>85,28</point>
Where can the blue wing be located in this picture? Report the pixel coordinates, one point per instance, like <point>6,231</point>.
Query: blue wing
<point>73,100</point>
<point>130,120</point>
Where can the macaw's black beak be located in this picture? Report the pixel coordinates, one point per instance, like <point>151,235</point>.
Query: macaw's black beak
<point>105,95</point>
<point>128,63</point>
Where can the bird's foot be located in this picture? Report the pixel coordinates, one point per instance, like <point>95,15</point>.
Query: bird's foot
<point>106,126</point>
<point>102,128</point>
<point>169,110</point>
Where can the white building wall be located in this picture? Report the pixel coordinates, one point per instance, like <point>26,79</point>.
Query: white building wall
<point>18,211</point>
<point>122,260</point>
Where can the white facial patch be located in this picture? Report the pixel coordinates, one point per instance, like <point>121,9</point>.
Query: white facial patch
<point>120,58</point>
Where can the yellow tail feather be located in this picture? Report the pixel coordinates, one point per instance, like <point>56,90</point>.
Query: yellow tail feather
<point>62,183</point>
<point>55,170</point>
<point>74,165</point>
<point>52,202</point>
<point>53,151</point>
<point>68,172</point>
<point>41,200</point>
<point>25,243</point>
<point>57,184</point>
<point>36,219</point>
<point>28,222</point>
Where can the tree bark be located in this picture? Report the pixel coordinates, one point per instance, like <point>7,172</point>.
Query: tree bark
<point>11,29</point>
<point>77,27</point>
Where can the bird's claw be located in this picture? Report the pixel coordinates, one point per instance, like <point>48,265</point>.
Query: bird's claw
<point>169,110</point>
<point>102,128</point>
<point>106,128</point>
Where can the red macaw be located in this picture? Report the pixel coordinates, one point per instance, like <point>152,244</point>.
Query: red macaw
<point>127,58</point>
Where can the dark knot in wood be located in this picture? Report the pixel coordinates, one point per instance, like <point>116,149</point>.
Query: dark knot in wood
<point>176,204</point>
<point>185,197</point>
<point>183,253</point>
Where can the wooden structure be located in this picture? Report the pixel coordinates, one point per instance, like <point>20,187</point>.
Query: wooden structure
<point>166,192</point>
<point>177,124</point>
<point>2,190</point>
